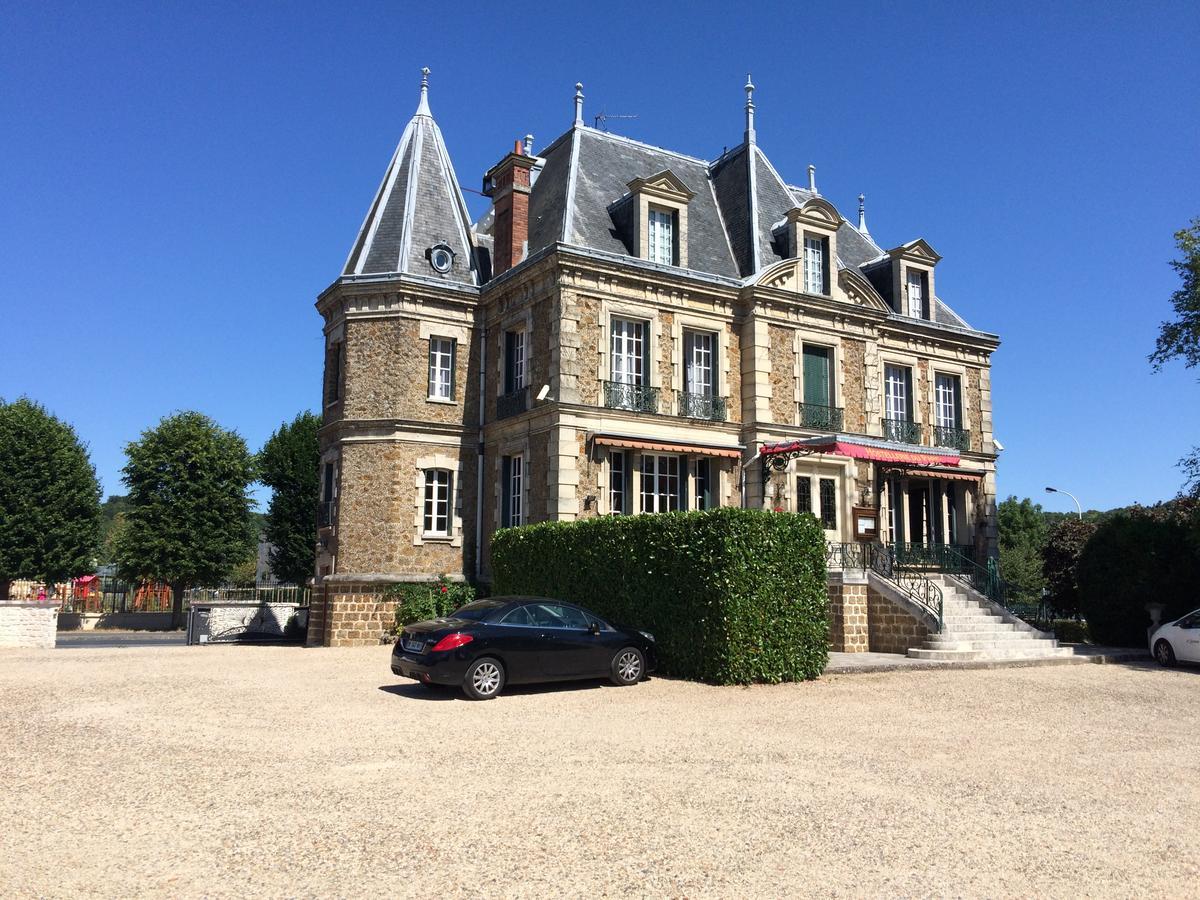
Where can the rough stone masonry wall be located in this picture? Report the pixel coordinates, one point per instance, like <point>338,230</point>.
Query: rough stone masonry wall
<point>848,614</point>
<point>974,411</point>
<point>891,627</point>
<point>350,615</point>
<point>854,390</point>
<point>783,375</point>
<point>28,625</point>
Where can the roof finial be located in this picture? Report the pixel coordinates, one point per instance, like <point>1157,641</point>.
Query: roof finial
<point>862,215</point>
<point>529,145</point>
<point>579,103</point>
<point>812,179</point>
<point>750,135</point>
<point>423,106</point>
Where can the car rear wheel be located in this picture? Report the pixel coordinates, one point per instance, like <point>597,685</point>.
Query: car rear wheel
<point>1164,654</point>
<point>484,679</point>
<point>628,666</point>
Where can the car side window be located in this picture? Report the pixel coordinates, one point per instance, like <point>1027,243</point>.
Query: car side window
<point>1190,621</point>
<point>518,616</point>
<point>574,618</point>
<point>554,615</point>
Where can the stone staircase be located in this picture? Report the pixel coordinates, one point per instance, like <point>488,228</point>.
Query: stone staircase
<point>974,628</point>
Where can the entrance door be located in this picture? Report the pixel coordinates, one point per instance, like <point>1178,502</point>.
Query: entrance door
<point>918,513</point>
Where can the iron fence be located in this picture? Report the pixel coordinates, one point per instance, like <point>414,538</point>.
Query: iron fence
<point>618,395</point>
<point>702,406</point>
<point>822,418</point>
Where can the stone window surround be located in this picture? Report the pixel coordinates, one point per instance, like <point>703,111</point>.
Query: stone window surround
<point>843,471</point>
<point>893,358</point>
<point>456,467</point>
<point>939,367</point>
<point>615,309</point>
<point>460,334</point>
<point>666,193</point>
<point>688,321</point>
<point>816,218</point>
<point>510,448</point>
<point>633,462</point>
<point>901,293</point>
<point>804,336</point>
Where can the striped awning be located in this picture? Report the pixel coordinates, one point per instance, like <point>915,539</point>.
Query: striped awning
<point>950,474</point>
<point>863,448</point>
<point>630,443</point>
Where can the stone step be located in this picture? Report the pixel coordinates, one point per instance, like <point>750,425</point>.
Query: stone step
<point>980,635</point>
<point>951,655</point>
<point>958,623</point>
<point>989,644</point>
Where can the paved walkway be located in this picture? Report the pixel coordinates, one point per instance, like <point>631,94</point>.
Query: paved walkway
<point>855,663</point>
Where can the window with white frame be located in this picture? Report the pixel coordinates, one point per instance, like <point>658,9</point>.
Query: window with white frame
<point>514,361</point>
<point>628,358</point>
<point>437,503</point>
<point>698,362</point>
<point>512,487</point>
<point>916,293</point>
<point>814,265</point>
<point>618,477</point>
<point>896,383</point>
<point>661,237</point>
<point>441,368</point>
<point>660,483</point>
<point>947,403</point>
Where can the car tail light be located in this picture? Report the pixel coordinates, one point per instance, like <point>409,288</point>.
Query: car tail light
<point>450,641</point>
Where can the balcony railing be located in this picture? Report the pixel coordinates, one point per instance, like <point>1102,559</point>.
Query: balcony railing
<point>902,430</point>
<point>634,397</point>
<point>513,403</point>
<point>822,418</point>
<point>326,513</point>
<point>702,406</point>
<point>955,438</point>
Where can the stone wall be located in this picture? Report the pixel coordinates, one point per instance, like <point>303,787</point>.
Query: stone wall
<point>783,375</point>
<point>972,400</point>
<point>848,612</point>
<point>28,625</point>
<point>892,628</point>
<point>379,509</point>
<point>854,385</point>
<point>350,615</point>
<point>387,375</point>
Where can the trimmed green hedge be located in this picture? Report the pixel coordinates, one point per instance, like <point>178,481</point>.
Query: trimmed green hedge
<point>733,596</point>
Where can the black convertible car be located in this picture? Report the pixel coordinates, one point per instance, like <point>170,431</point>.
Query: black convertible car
<point>509,640</point>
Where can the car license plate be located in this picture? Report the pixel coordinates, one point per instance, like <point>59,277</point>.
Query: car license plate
<point>414,646</point>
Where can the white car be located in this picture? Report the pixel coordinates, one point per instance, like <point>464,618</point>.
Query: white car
<point>1177,641</point>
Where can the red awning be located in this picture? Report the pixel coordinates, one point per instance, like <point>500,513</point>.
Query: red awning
<point>961,475</point>
<point>861,451</point>
<point>660,447</point>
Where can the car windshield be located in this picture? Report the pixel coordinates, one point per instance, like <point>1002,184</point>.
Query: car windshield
<point>477,611</point>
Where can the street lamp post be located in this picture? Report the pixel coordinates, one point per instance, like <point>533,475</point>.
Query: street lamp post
<point>1078,508</point>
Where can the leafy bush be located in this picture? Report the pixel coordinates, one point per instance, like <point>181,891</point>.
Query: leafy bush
<point>733,596</point>
<point>1070,631</point>
<point>1060,563</point>
<point>416,602</point>
<point>1144,555</point>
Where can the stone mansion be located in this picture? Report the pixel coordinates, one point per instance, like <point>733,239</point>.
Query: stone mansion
<point>631,330</point>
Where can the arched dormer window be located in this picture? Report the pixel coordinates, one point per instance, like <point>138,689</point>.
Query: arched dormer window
<point>812,238</point>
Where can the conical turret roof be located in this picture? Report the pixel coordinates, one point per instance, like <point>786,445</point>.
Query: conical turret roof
<point>419,206</point>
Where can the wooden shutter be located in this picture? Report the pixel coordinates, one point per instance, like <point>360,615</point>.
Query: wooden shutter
<point>816,376</point>
<point>505,488</point>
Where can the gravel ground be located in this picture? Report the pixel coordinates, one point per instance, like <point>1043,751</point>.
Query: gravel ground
<point>286,772</point>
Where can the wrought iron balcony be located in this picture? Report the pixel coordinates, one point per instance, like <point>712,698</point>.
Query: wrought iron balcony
<point>822,418</point>
<point>955,438</point>
<point>702,406</point>
<point>902,430</point>
<point>634,397</point>
<point>326,513</point>
<point>513,403</point>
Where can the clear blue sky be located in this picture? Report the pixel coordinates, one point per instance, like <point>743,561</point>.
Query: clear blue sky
<point>180,181</point>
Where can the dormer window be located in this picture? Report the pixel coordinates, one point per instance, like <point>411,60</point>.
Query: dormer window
<point>661,236</point>
<point>654,216</point>
<point>812,239</point>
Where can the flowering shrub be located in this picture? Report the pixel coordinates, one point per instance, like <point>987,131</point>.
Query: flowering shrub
<point>416,602</point>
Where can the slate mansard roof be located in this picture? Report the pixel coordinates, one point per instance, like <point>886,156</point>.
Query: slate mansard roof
<point>580,179</point>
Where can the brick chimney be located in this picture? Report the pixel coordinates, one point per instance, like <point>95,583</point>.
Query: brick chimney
<point>507,183</point>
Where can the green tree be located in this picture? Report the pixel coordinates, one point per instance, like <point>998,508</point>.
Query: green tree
<point>189,518</point>
<point>288,464</point>
<point>1022,538</point>
<point>1180,338</point>
<point>1060,562</point>
<point>49,498</point>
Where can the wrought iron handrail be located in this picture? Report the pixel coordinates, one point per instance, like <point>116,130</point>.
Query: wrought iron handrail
<point>943,557</point>
<point>987,580</point>
<point>824,418</point>
<point>636,397</point>
<point>955,438</point>
<point>513,403</point>
<point>882,561</point>
<point>702,406</point>
<point>902,430</point>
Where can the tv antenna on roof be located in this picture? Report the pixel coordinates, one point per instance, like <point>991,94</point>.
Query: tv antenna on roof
<point>602,117</point>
